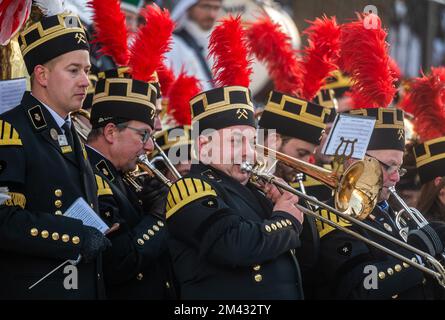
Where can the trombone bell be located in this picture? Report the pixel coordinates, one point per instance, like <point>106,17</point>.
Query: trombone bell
<point>359,187</point>
<point>356,191</point>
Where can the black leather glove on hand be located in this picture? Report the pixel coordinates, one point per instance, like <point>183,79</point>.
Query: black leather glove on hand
<point>153,196</point>
<point>94,243</point>
<point>426,239</point>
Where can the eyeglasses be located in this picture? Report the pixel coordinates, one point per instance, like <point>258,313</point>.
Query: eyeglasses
<point>145,133</point>
<point>392,169</point>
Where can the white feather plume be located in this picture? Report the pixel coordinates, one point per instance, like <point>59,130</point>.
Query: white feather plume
<point>50,7</point>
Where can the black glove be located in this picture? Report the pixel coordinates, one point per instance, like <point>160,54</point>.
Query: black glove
<point>426,239</point>
<point>94,243</point>
<point>153,196</point>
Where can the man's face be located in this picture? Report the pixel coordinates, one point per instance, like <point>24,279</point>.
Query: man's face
<point>128,144</point>
<point>295,148</point>
<point>393,160</point>
<point>226,149</point>
<point>67,81</point>
<point>205,13</point>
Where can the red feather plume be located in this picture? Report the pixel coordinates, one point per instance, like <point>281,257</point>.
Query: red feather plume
<point>425,100</point>
<point>182,90</point>
<point>110,29</point>
<point>166,79</point>
<point>320,55</point>
<point>395,69</point>
<point>13,15</point>
<point>152,42</point>
<point>273,47</point>
<point>365,57</point>
<point>228,46</point>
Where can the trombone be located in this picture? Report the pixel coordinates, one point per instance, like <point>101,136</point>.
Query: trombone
<point>348,181</point>
<point>356,190</point>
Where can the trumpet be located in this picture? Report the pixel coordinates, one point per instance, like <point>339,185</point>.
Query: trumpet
<point>144,168</point>
<point>408,214</point>
<point>167,161</point>
<point>412,214</point>
<point>437,270</point>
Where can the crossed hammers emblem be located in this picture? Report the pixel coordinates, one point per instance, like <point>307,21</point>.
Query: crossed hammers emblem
<point>401,133</point>
<point>80,37</point>
<point>242,113</point>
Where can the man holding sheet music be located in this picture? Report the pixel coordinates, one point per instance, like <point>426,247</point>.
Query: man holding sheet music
<point>44,166</point>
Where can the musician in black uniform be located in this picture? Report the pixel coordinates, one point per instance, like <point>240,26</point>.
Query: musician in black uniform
<point>345,262</point>
<point>296,131</point>
<point>430,157</point>
<point>228,240</point>
<point>45,167</point>
<point>137,265</point>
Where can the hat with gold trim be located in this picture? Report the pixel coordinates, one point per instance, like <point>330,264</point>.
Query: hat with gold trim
<point>119,98</point>
<point>230,103</point>
<point>366,59</point>
<point>425,101</point>
<point>289,109</point>
<point>52,36</point>
<point>129,93</point>
<point>430,159</point>
<point>326,98</point>
<point>294,117</point>
<point>339,82</point>
<point>389,128</point>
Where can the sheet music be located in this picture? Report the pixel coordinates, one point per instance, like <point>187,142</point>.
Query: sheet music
<point>350,127</point>
<point>11,93</point>
<point>81,210</point>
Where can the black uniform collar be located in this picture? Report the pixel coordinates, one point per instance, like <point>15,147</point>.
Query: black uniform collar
<point>102,164</point>
<point>245,191</point>
<point>37,113</point>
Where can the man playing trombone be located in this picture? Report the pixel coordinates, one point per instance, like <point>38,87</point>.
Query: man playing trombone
<point>228,241</point>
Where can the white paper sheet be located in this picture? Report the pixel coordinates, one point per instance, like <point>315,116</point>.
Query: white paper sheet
<point>81,210</point>
<point>350,127</point>
<point>11,93</point>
